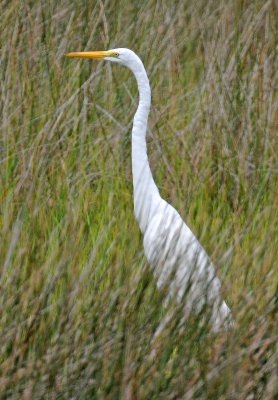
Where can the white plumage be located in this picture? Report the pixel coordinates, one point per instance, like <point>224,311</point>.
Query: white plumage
<point>171,248</point>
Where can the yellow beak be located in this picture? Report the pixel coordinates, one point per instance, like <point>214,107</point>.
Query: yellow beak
<point>93,54</point>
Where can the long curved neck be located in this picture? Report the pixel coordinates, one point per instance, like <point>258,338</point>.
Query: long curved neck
<point>146,194</point>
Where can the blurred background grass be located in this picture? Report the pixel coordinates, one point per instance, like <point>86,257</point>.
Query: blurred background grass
<point>79,308</point>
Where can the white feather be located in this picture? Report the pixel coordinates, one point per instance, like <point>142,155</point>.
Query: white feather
<point>170,247</point>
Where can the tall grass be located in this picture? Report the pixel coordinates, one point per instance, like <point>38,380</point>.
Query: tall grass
<point>79,308</point>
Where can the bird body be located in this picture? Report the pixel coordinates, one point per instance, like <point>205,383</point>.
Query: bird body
<point>173,251</point>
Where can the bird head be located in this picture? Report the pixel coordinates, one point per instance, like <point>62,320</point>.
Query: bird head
<point>121,56</point>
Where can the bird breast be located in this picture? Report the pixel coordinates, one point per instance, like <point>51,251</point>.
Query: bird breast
<point>178,259</point>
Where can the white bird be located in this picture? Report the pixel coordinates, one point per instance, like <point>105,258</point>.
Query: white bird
<point>177,257</point>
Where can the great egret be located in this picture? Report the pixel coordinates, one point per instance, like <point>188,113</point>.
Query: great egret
<point>170,247</point>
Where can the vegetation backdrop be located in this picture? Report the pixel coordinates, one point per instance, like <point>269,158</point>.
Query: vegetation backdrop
<point>79,308</point>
